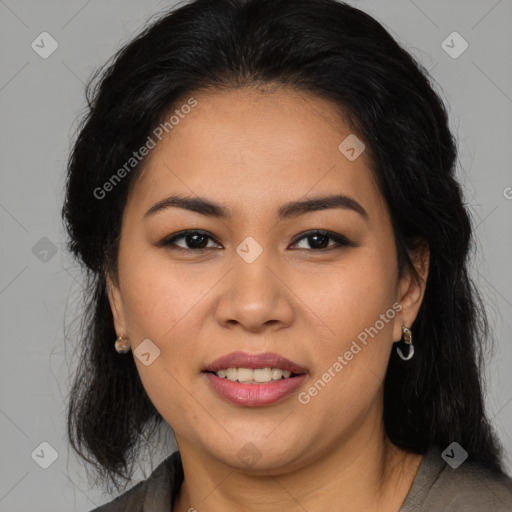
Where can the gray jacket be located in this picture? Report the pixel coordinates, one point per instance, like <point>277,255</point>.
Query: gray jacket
<point>436,488</point>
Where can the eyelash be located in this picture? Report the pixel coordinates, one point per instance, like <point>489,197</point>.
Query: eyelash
<point>339,239</point>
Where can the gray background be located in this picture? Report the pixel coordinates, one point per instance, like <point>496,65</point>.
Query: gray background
<point>40,100</point>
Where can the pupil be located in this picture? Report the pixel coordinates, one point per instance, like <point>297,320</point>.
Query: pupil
<point>316,244</point>
<point>197,241</point>
<point>195,244</point>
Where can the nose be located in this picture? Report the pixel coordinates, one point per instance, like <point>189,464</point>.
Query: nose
<point>254,297</point>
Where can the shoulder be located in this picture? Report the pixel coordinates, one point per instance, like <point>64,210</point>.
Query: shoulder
<point>129,501</point>
<point>157,489</point>
<point>469,488</point>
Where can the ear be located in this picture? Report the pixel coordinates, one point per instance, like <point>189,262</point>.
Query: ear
<point>410,290</point>
<point>116,305</point>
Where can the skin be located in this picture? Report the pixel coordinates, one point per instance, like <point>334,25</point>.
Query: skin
<point>253,151</point>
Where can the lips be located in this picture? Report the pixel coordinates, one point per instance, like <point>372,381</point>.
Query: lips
<point>254,361</point>
<point>255,394</point>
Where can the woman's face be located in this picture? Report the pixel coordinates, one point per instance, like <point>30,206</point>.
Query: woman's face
<point>258,280</point>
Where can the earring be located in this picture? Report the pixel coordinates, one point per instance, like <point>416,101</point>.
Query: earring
<point>122,345</point>
<point>407,337</point>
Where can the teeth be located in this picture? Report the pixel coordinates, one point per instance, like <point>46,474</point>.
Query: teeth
<point>277,373</point>
<point>262,375</point>
<point>245,374</point>
<point>250,376</point>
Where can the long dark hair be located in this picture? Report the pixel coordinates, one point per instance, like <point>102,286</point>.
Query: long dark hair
<point>334,51</point>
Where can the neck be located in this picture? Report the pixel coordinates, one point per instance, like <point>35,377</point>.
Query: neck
<point>366,472</point>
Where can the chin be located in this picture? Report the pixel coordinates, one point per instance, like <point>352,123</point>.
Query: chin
<point>256,455</point>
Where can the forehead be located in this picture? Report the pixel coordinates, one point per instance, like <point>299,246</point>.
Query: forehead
<point>261,147</point>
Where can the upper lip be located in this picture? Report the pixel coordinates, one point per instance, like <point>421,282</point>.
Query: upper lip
<point>254,361</point>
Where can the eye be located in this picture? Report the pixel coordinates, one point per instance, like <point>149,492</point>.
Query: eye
<point>318,239</point>
<point>193,240</point>
<point>197,240</point>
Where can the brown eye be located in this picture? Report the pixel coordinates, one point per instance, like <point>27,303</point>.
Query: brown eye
<point>192,240</point>
<point>319,240</point>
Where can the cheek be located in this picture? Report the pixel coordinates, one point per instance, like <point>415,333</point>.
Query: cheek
<point>355,302</point>
<point>158,295</point>
<point>350,297</point>
<point>165,302</point>
<point>353,354</point>
<point>158,301</point>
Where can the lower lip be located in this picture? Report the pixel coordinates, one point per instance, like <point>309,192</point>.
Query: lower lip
<point>255,395</point>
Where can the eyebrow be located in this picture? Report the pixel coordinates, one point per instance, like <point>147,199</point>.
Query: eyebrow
<point>289,210</point>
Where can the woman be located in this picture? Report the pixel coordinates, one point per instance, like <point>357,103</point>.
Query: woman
<point>263,193</point>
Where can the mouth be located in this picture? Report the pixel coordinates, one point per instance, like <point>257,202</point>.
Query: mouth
<point>254,380</point>
<point>257,368</point>
<point>254,375</point>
